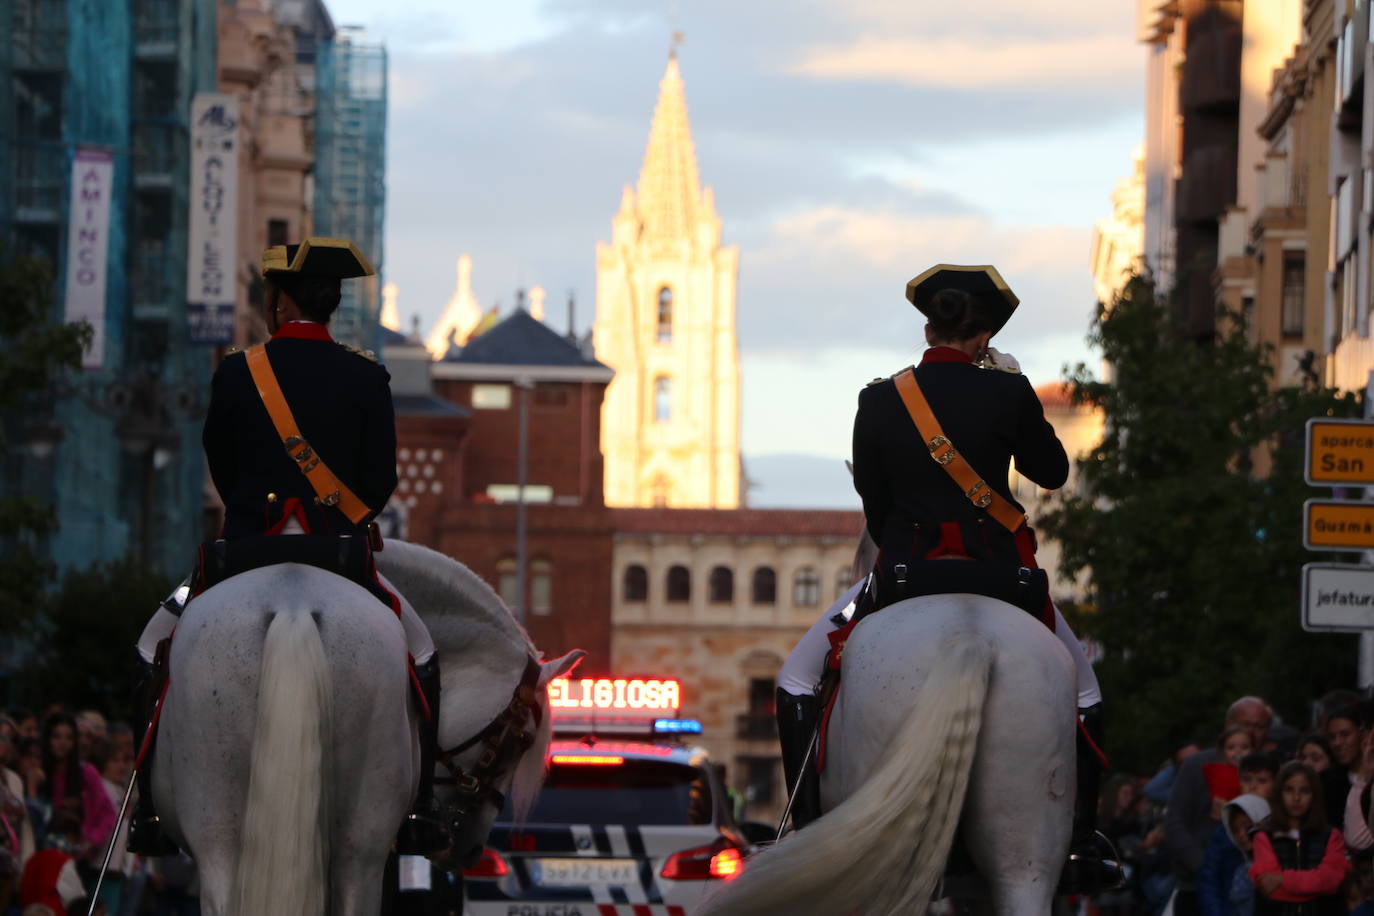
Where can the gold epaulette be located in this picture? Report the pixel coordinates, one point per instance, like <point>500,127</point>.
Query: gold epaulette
<point>887,378</point>
<point>358,351</point>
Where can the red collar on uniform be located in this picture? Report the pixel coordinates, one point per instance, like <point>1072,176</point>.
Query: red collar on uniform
<point>945,355</point>
<point>302,330</point>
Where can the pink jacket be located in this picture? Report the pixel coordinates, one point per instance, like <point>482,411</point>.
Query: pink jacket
<point>1299,886</point>
<point>98,813</point>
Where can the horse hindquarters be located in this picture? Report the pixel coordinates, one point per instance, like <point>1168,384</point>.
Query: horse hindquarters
<point>883,847</point>
<point>285,839</point>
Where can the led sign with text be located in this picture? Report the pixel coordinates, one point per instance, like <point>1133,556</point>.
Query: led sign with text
<point>615,696</point>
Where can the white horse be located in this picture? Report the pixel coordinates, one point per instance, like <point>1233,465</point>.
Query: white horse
<point>287,753</point>
<point>953,709</point>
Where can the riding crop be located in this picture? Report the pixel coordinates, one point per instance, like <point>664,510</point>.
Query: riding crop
<point>109,847</point>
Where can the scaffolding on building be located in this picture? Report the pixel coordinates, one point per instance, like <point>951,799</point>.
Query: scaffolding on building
<point>350,169</point>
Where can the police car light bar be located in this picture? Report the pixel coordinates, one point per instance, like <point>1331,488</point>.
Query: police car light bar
<point>677,726</point>
<point>594,760</point>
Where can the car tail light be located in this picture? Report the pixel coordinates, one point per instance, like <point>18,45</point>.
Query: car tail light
<point>722,860</point>
<point>589,760</point>
<point>490,865</point>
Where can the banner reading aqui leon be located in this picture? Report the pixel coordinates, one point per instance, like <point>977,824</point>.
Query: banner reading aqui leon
<point>212,250</point>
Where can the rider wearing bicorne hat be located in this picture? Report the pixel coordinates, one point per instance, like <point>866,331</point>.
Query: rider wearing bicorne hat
<point>916,510</point>
<point>339,398</point>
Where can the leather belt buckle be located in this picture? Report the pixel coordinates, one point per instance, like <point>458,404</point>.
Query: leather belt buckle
<point>935,445</point>
<point>331,500</point>
<point>302,456</point>
<point>982,501</point>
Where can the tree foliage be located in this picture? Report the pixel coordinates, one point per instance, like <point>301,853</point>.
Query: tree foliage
<point>1188,520</point>
<point>34,350</point>
<point>80,653</point>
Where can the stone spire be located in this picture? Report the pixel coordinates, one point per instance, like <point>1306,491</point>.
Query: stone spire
<point>669,185</point>
<point>461,315</point>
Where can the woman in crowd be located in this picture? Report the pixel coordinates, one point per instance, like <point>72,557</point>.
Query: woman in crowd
<point>1314,751</point>
<point>1299,859</point>
<point>75,786</point>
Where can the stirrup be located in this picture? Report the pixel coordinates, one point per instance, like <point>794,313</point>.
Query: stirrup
<point>1092,870</point>
<point>147,838</point>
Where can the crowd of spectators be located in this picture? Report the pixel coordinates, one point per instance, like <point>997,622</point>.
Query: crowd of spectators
<point>63,776</point>
<point>1260,821</point>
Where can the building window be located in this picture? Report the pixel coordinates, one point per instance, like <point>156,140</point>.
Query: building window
<point>491,397</point>
<point>276,232</point>
<point>636,584</point>
<point>806,587</point>
<point>663,408</point>
<point>541,586</point>
<point>658,492</point>
<point>760,779</point>
<point>844,578</point>
<point>1294,314</point>
<point>506,581</point>
<point>665,315</point>
<point>765,589</point>
<point>722,585</point>
<point>760,722</point>
<point>679,584</point>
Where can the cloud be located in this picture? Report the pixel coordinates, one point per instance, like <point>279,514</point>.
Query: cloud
<point>975,63</point>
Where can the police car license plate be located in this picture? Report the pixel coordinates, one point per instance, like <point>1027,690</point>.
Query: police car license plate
<point>580,872</point>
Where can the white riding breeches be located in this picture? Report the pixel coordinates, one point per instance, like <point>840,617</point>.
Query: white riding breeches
<point>418,641</point>
<point>803,669</point>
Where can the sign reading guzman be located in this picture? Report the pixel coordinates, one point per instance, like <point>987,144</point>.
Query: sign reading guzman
<point>1340,452</point>
<point>88,246</point>
<point>212,250</point>
<point>1338,524</point>
<point>1337,597</point>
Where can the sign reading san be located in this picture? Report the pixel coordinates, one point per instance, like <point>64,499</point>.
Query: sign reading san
<point>1340,452</point>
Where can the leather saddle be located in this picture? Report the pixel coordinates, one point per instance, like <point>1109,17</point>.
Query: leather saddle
<point>344,555</point>
<point>1021,586</point>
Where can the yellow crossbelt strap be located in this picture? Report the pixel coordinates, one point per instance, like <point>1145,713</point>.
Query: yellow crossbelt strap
<point>329,490</point>
<point>945,455</point>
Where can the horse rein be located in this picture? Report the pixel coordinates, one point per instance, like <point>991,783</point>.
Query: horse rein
<point>501,742</point>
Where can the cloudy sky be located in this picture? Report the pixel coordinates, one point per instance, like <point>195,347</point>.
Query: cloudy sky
<point>851,144</point>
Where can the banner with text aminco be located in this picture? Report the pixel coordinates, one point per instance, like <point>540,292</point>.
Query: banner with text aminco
<point>212,249</point>
<point>88,247</point>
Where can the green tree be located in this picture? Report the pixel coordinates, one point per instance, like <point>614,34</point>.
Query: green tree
<point>34,350</point>
<point>1194,558</point>
<point>80,653</point>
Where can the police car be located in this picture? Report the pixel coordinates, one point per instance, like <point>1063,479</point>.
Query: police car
<point>632,819</point>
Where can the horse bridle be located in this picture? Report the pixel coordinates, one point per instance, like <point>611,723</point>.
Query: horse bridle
<point>503,740</point>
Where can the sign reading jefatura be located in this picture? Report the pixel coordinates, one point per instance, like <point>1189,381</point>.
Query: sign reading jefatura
<point>1340,452</point>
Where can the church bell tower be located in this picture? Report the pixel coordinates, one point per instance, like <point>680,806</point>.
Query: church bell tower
<point>665,322</point>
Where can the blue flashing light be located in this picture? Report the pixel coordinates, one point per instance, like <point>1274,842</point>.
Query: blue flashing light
<point>677,727</point>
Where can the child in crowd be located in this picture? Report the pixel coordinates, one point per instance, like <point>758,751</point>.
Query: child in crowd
<point>1223,776</point>
<point>1314,751</point>
<point>1299,860</point>
<point>1224,887</point>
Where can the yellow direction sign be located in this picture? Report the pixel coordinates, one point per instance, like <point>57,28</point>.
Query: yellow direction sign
<point>1340,452</point>
<point>1336,524</point>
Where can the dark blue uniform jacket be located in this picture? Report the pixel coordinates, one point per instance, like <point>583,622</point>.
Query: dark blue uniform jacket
<point>342,405</point>
<point>991,417</point>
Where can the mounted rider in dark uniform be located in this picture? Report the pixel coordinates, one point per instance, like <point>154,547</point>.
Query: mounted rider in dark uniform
<point>919,510</point>
<point>335,401</point>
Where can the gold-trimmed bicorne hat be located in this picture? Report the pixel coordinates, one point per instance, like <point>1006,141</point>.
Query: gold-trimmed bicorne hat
<point>335,259</point>
<point>995,299</point>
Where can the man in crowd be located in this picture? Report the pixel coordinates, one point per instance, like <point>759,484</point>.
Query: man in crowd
<point>1193,814</point>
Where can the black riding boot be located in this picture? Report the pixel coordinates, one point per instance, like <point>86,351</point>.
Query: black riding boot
<point>423,832</point>
<point>146,836</point>
<point>797,720</point>
<point>1093,864</point>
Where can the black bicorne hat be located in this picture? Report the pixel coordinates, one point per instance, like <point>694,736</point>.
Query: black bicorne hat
<point>995,299</point>
<point>334,259</point>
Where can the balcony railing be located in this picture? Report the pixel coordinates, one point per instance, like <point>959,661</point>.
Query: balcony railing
<point>157,149</point>
<point>756,726</point>
<point>156,27</point>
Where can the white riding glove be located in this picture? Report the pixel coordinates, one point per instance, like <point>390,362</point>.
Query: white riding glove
<point>996,359</point>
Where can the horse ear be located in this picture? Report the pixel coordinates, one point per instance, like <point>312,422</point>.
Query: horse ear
<point>560,666</point>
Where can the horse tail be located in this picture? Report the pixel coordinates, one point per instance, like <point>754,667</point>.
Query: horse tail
<point>883,849</point>
<point>285,838</point>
